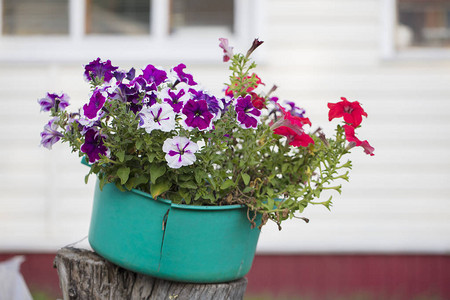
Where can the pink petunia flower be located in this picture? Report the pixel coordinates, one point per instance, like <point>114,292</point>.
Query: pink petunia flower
<point>227,50</point>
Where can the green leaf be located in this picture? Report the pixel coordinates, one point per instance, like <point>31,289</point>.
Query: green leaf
<point>159,188</point>
<point>247,189</point>
<point>186,195</point>
<point>209,197</point>
<point>245,178</point>
<point>188,184</point>
<point>121,155</point>
<point>151,157</point>
<point>120,187</point>
<point>138,144</point>
<point>156,171</point>
<point>226,184</point>
<point>199,177</point>
<point>102,182</point>
<point>185,177</point>
<point>135,181</point>
<point>123,174</point>
<point>271,203</point>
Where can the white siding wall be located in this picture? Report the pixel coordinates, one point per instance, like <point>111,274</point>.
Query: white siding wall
<point>316,51</point>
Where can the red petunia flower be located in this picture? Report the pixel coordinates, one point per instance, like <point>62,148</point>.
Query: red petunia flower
<point>299,121</point>
<point>257,101</point>
<point>367,148</point>
<point>351,137</point>
<point>292,128</point>
<point>351,111</point>
<point>295,138</point>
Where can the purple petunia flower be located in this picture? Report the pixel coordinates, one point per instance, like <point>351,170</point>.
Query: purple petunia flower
<point>214,106</point>
<point>150,94</point>
<point>295,110</point>
<point>94,145</point>
<point>99,71</point>
<point>197,114</point>
<point>54,101</point>
<point>50,135</point>
<point>121,75</point>
<point>87,123</point>
<point>175,98</point>
<point>152,74</point>
<point>181,76</point>
<point>179,151</point>
<point>247,114</point>
<point>95,104</point>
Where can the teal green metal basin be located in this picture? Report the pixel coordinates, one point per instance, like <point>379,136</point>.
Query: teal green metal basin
<point>201,244</point>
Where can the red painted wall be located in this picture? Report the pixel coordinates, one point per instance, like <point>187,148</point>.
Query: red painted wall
<point>313,276</point>
<point>38,272</point>
<point>347,276</point>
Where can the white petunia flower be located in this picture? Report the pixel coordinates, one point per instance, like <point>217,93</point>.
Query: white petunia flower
<point>179,151</point>
<point>158,116</point>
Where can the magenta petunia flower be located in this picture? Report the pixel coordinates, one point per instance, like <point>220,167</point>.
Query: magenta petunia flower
<point>183,77</point>
<point>93,145</point>
<point>175,98</point>
<point>247,114</point>
<point>197,115</point>
<point>152,74</point>
<point>99,71</point>
<point>50,135</point>
<point>179,151</point>
<point>51,100</point>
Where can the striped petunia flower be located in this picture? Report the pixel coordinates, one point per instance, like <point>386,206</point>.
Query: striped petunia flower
<point>179,151</point>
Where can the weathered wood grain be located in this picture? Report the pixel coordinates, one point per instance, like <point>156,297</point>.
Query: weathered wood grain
<point>85,275</point>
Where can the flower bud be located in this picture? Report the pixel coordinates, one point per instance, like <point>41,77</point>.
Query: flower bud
<point>256,44</point>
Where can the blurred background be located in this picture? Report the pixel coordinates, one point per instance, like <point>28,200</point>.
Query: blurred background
<point>388,234</point>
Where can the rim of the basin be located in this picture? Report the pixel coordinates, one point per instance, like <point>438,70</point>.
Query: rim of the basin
<point>185,206</point>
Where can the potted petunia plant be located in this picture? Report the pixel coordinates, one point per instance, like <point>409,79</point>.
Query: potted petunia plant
<point>159,136</point>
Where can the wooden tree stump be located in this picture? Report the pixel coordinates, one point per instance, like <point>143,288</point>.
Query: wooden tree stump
<point>85,275</point>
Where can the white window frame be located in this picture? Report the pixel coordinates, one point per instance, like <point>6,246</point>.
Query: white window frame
<point>388,39</point>
<point>192,45</point>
